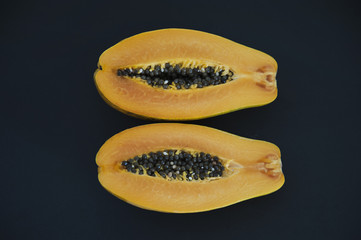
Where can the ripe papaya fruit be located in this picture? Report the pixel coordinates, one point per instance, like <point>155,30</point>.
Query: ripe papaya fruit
<point>180,74</point>
<point>184,168</point>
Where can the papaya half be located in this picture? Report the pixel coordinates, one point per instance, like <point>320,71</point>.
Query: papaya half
<point>180,74</point>
<point>184,168</point>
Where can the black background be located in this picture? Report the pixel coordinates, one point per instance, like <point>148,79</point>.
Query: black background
<point>53,121</point>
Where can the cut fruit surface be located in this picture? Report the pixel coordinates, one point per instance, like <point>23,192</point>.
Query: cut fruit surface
<point>181,74</point>
<point>162,167</point>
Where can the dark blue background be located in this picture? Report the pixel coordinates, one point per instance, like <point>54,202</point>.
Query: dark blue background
<point>53,121</point>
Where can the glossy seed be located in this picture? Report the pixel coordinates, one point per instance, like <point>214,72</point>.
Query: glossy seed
<point>177,76</point>
<point>185,166</point>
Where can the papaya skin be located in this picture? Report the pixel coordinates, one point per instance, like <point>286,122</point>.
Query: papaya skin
<point>253,168</point>
<point>254,82</point>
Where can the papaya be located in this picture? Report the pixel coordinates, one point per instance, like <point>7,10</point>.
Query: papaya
<point>181,74</point>
<point>185,168</point>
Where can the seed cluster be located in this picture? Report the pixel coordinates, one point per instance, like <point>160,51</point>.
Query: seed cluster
<point>178,76</point>
<point>173,164</point>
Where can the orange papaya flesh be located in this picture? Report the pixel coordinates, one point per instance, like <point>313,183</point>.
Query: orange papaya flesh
<point>246,168</point>
<point>180,74</point>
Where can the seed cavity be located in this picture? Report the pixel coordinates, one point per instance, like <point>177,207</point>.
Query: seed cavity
<point>179,75</point>
<point>176,165</point>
